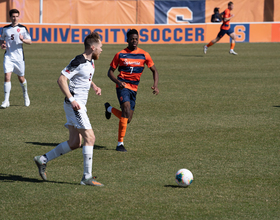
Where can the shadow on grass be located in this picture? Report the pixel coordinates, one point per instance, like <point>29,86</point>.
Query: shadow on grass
<point>175,186</point>
<point>18,178</point>
<point>193,55</point>
<point>276,106</point>
<point>96,147</point>
<point>10,106</point>
<point>42,143</point>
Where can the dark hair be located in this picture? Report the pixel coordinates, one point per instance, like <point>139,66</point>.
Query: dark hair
<point>91,39</point>
<point>216,10</point>
<point>130,32</point>
<point>12,11</point>
<point>230,3</point>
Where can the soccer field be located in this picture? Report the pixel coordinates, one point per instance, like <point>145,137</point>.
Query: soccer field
<point>217,115</point>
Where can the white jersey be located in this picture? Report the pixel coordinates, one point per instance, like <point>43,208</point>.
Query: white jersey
<point>10,34</point>
<point>79,72</point>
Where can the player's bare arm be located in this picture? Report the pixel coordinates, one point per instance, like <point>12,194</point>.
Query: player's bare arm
<point>227,19</point>
<point>3,44</point>
<point>155,76</point>
<point>63,85</point>
<point>95,88</point>
<point>114,79</point>
<point>26,41</point>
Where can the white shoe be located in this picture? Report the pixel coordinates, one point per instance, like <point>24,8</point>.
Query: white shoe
<point>205,49</point>
<point>26,100</point>
<point>5,104</point>
<point>232,52</point>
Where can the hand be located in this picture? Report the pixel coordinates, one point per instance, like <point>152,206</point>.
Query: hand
<point>21,37</point>
<point>75,106</point>
<point>155,90</point>
<point>121,85</point>
<point>3,46</point>
<point>97,91</point>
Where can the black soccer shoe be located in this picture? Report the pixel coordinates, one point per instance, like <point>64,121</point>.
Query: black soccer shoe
<point>107,114</point>
<point>121,148</point>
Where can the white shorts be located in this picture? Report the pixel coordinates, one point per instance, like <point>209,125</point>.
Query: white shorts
<point>78,119</point>
<point>16,67</point>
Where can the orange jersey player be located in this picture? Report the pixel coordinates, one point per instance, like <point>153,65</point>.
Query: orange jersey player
<point>130,63</point>
<point>225,29</point>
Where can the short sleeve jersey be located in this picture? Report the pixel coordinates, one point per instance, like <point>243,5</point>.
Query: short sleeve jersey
<point>131,65</point>
<point>79,72</point>
<point>10,34</point>
<point>226,25</point>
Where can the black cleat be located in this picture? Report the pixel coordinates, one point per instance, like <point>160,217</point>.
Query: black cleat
<point>121,148</point>
<point>107,114</point>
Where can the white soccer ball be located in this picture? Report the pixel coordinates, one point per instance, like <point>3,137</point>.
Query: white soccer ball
<point>184,177</point>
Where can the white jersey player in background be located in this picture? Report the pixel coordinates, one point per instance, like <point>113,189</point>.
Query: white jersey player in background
<point>12,38</point>
<point>79,73</point>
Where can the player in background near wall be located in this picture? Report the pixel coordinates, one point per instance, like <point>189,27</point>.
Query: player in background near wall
<point>130,63</point>
<point>12,38</point>
<point>216,17</point>
<point>225,29</point>
<point>79,72</point>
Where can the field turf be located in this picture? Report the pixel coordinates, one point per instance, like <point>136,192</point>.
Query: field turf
<point>217,115</point>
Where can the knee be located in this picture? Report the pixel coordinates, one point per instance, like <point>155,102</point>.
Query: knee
<point>7,78</point>
<point>90,139</point>
<point>74,144</point>
<point>126,112</point>
<point>21,79</point>
<point>93,139</point>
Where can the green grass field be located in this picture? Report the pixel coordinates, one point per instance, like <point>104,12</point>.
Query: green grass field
<point>217,115</point>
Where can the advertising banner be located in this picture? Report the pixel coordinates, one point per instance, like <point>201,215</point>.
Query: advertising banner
<point>154,34</point>
<point>138,11</point>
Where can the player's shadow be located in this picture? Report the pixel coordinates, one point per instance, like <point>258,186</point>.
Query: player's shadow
<point>18,178</point>
<point>10,105</point>
<point>193,55</point>
<point>175,186</point>
<point>276,106</point>
<point>96,147</point>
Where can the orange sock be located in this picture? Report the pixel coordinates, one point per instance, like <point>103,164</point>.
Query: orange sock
<point>122,128</point>
<point>117,113</point>
<point>232,45</point>
<point>210,44</point>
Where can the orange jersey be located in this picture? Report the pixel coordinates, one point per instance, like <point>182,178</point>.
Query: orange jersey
<point>226,25</point>
<point>131,66</point>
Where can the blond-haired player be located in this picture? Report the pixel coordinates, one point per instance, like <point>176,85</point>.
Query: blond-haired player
<point>79,73</point>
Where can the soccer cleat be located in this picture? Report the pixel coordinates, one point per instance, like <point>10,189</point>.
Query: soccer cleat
<point>107,114</point>
<point>205,49</point>
<point>121,148</point>
<point>90,181</point>
<point>5,104</point>
<point>41,167</point>
<point>26,100</point>
<point>232,52</point>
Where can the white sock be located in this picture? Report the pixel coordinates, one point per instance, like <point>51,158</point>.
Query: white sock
<point>59,150</point>
<point>120,143</point>
<point>87,153</point>
<point>24,87</point>
<point>109,109</point>
<point>7,90</point>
